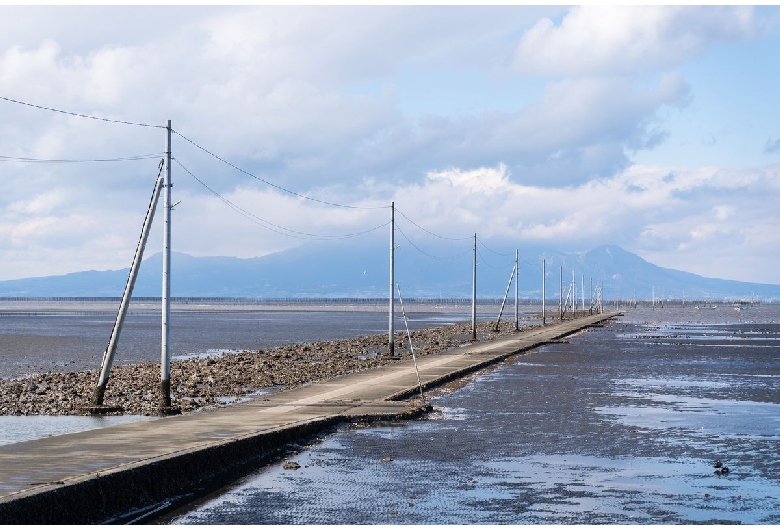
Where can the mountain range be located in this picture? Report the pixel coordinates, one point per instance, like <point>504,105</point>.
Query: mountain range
<point>361,270</point>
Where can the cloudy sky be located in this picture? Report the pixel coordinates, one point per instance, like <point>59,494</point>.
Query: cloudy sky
<point>653,128</point>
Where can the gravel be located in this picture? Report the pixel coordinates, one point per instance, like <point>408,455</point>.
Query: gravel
<point>218,381</point>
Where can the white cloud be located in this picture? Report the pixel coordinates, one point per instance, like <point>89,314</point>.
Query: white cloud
<point>308,98</point>
<point>607,40</point>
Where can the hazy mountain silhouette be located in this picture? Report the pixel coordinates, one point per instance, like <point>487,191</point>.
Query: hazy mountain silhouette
<point>360,269</point>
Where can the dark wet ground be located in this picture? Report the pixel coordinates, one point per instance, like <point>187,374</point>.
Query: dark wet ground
<point>620,425</point>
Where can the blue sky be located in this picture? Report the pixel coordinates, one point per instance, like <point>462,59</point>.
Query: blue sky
<point>652,128</point>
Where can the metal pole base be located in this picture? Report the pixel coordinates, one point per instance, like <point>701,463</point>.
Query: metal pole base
<point>100,392</point>
<point>165,408</point>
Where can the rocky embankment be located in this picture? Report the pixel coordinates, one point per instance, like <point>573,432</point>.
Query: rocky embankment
<point>213,381</point>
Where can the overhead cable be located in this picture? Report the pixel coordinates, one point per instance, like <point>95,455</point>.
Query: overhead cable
<point>493,251</point>
<point>281,230</point>
<point>269,183</point>
<point>25,159</point>
<point>486,263</point>
<point>429,232</point>
<point>76,114</point>
<point>431,255</point>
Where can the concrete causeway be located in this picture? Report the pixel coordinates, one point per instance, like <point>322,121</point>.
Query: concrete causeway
<point>127,472</point>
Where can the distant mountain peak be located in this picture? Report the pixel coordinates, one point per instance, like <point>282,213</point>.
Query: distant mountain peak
<point>355,269</point>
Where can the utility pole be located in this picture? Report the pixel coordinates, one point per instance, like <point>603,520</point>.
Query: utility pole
<point>573,294</point>
<point>391,327</point>
<point>165,353</point>
<point>583,292</point>
<point>110,352</point>
<point>474,293</point>
<point>544,294</point>
<point>560,297</point>
<point>517,280</point>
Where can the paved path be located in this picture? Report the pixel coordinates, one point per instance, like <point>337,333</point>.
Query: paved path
<point>83,472</point>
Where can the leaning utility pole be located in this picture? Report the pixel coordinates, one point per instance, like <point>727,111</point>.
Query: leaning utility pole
<point>391,327</point>
<point>110,351</point>
<point>165,353</point>
<point>474,293</point>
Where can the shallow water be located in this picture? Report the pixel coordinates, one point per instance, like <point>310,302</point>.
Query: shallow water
<point>614,427</point>
<point>38,337</point>
<point>17,428</point>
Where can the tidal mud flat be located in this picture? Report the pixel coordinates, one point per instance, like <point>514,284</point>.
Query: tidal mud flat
<point>622,424</point>
<point>224,378</point>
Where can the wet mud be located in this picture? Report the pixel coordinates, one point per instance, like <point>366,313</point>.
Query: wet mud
<point>619,425</point>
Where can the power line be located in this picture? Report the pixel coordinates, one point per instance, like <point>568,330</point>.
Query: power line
<point>431,255</point>
<point>493,251</point>
<point>429,232</point>
<point>485,262</point>
<point>281,230</point>
<point>25,159</point>
<point>280,188</point>
<point>76,114</point>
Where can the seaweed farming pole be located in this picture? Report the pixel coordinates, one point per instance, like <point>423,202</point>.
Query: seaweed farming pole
<point>110,352</point>
<point>474,293</point>
<point>391,327</point>
<point>165,353</point>
<point>517,280</point>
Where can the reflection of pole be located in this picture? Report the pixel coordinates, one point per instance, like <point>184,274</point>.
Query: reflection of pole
<point>474,294</point>
<point>544,295</point>
<point>391,327</point>
<point>165,353</point>
<point>108,354</point>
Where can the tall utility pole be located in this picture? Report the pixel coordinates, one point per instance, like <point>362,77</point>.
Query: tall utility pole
<point>573,294</point>
<point>583,293</point>
<point>544,294</point>
<point>391,332</point>
<point>517,280</point>
<point>165,353</point>
<point>474,293</point>
<point>560,297</point>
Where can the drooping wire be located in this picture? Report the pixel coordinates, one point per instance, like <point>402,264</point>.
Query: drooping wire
<point>269,183</point>
<point>25,159</point>
<point>441,258</point>
<point>493,251</point>
<point>428,231</point>
<point>281,230</point>
<point>488,265</point>
<point>98,118</point>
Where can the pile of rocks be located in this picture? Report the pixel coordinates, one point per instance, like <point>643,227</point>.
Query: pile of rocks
<point>197,383</point>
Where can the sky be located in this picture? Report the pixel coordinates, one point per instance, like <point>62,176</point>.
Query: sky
<point>653,128</point>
